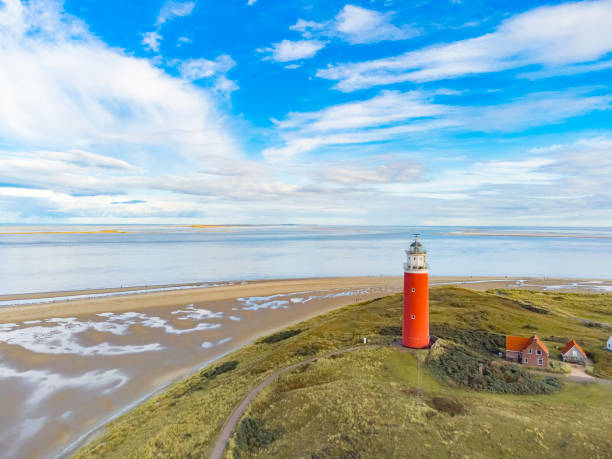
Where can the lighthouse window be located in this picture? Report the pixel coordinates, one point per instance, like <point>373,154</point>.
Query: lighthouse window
<point>412,316</point>
<point>413,290</point>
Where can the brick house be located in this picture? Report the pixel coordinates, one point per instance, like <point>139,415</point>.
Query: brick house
<point>527,351</point>
<point>573,353</point>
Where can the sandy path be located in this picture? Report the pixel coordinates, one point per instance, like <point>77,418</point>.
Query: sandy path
<point>230,424</point>
<point>577,374</point>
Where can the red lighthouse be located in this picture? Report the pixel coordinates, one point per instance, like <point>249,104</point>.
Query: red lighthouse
<point>415,330</point>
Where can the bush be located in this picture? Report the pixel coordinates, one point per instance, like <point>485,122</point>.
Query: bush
<point>220,369</point>
<point>308,350</point>
<point>533,308</point>
<point>477,340</point>
<point>204,376</point>
<point>251,436</point>
<point>390,330</point>
<point>280,336</point>
<point>465,367</point>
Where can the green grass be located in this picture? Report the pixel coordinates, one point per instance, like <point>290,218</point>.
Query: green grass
<point>366,403</point>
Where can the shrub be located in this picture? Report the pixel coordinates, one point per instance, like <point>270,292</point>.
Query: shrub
<point>280,336</point>
<point>390,330</point>
<point>220,369</point>
<point>251,436</point>
<point>204,376</point>
<point>463,366</point>
<point>533,308</point>
<point>308,350</point>
<point>477,340</point>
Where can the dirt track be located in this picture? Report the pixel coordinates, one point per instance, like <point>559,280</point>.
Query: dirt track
<point>230,424</point>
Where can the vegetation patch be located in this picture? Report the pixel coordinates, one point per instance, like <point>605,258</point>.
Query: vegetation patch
<point>533,308</point>
<point>556,339</point>
<point>308,350</point>
<point>251,436</point>
<point>475,339</point>
<point>390,330</point>
<point>446,405</point>
<point>465,367</point>
<point>280,336</point>
<point>219,369</point>
<point>336,452</point>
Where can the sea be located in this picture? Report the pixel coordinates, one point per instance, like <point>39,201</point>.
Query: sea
<point>50,258</point>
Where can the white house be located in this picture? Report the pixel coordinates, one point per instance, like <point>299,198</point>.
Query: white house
<point>609,345</point>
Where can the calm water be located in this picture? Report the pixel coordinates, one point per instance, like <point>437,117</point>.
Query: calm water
<point>147,255</point>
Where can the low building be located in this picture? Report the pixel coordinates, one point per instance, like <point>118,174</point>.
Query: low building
<point>573,353</point>
<point>527,351</point>
<point>609,345</point>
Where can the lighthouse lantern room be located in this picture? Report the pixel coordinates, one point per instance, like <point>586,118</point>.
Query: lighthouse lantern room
<point>415,328</point>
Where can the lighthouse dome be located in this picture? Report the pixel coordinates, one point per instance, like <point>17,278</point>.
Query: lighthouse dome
<point>417,247</point>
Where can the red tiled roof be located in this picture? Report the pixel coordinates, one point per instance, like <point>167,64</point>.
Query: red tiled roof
<point>517,343</point>
<point>570,345</point>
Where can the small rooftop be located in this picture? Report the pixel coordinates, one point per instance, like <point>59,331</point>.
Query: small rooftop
<point>518,343</point>
<point>570,345</point>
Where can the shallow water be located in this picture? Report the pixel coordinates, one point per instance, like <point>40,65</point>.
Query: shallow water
<point>154,255</point>
<point>63,377</point>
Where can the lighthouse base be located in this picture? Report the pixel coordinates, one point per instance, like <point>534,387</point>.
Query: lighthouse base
<point>416,343</point>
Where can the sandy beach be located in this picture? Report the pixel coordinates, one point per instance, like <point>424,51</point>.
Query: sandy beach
<point>68,367</point>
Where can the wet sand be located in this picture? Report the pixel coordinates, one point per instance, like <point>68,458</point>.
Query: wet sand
<point>67,368</point>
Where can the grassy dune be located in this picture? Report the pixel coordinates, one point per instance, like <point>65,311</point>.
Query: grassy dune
<point>366,403</point>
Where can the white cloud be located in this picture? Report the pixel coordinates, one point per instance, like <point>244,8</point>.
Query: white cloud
<point>356,25</point>
<point>372,170</point>
<point>288,50</point>
<point>395,114</point>
<point>172,10</point>
<point>151,41</point>
<point>216,70</point>
<point>183,41</point>
<point>61,88</point>
<point>386,108</point>
<point>169,11</point>
<point>550,36</point>
<point>360,25</point>
<point>251,2</point>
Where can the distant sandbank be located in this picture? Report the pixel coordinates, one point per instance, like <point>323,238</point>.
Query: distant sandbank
<point>529,234</point>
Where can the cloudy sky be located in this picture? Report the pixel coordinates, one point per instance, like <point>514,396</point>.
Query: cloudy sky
<point>474,112</point>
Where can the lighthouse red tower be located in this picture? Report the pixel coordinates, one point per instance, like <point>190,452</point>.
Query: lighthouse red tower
<point>415,330</point>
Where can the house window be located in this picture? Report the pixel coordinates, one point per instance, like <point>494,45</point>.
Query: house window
<point>540,362</point>
<point>526,360</point>
<point>539,352</point>
<point>530,351</point>
<point>413,290</point>
<point>412,316</point>
<point>574,353</point>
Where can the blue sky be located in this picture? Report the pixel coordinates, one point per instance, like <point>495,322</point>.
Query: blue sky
<point>368,112</point>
